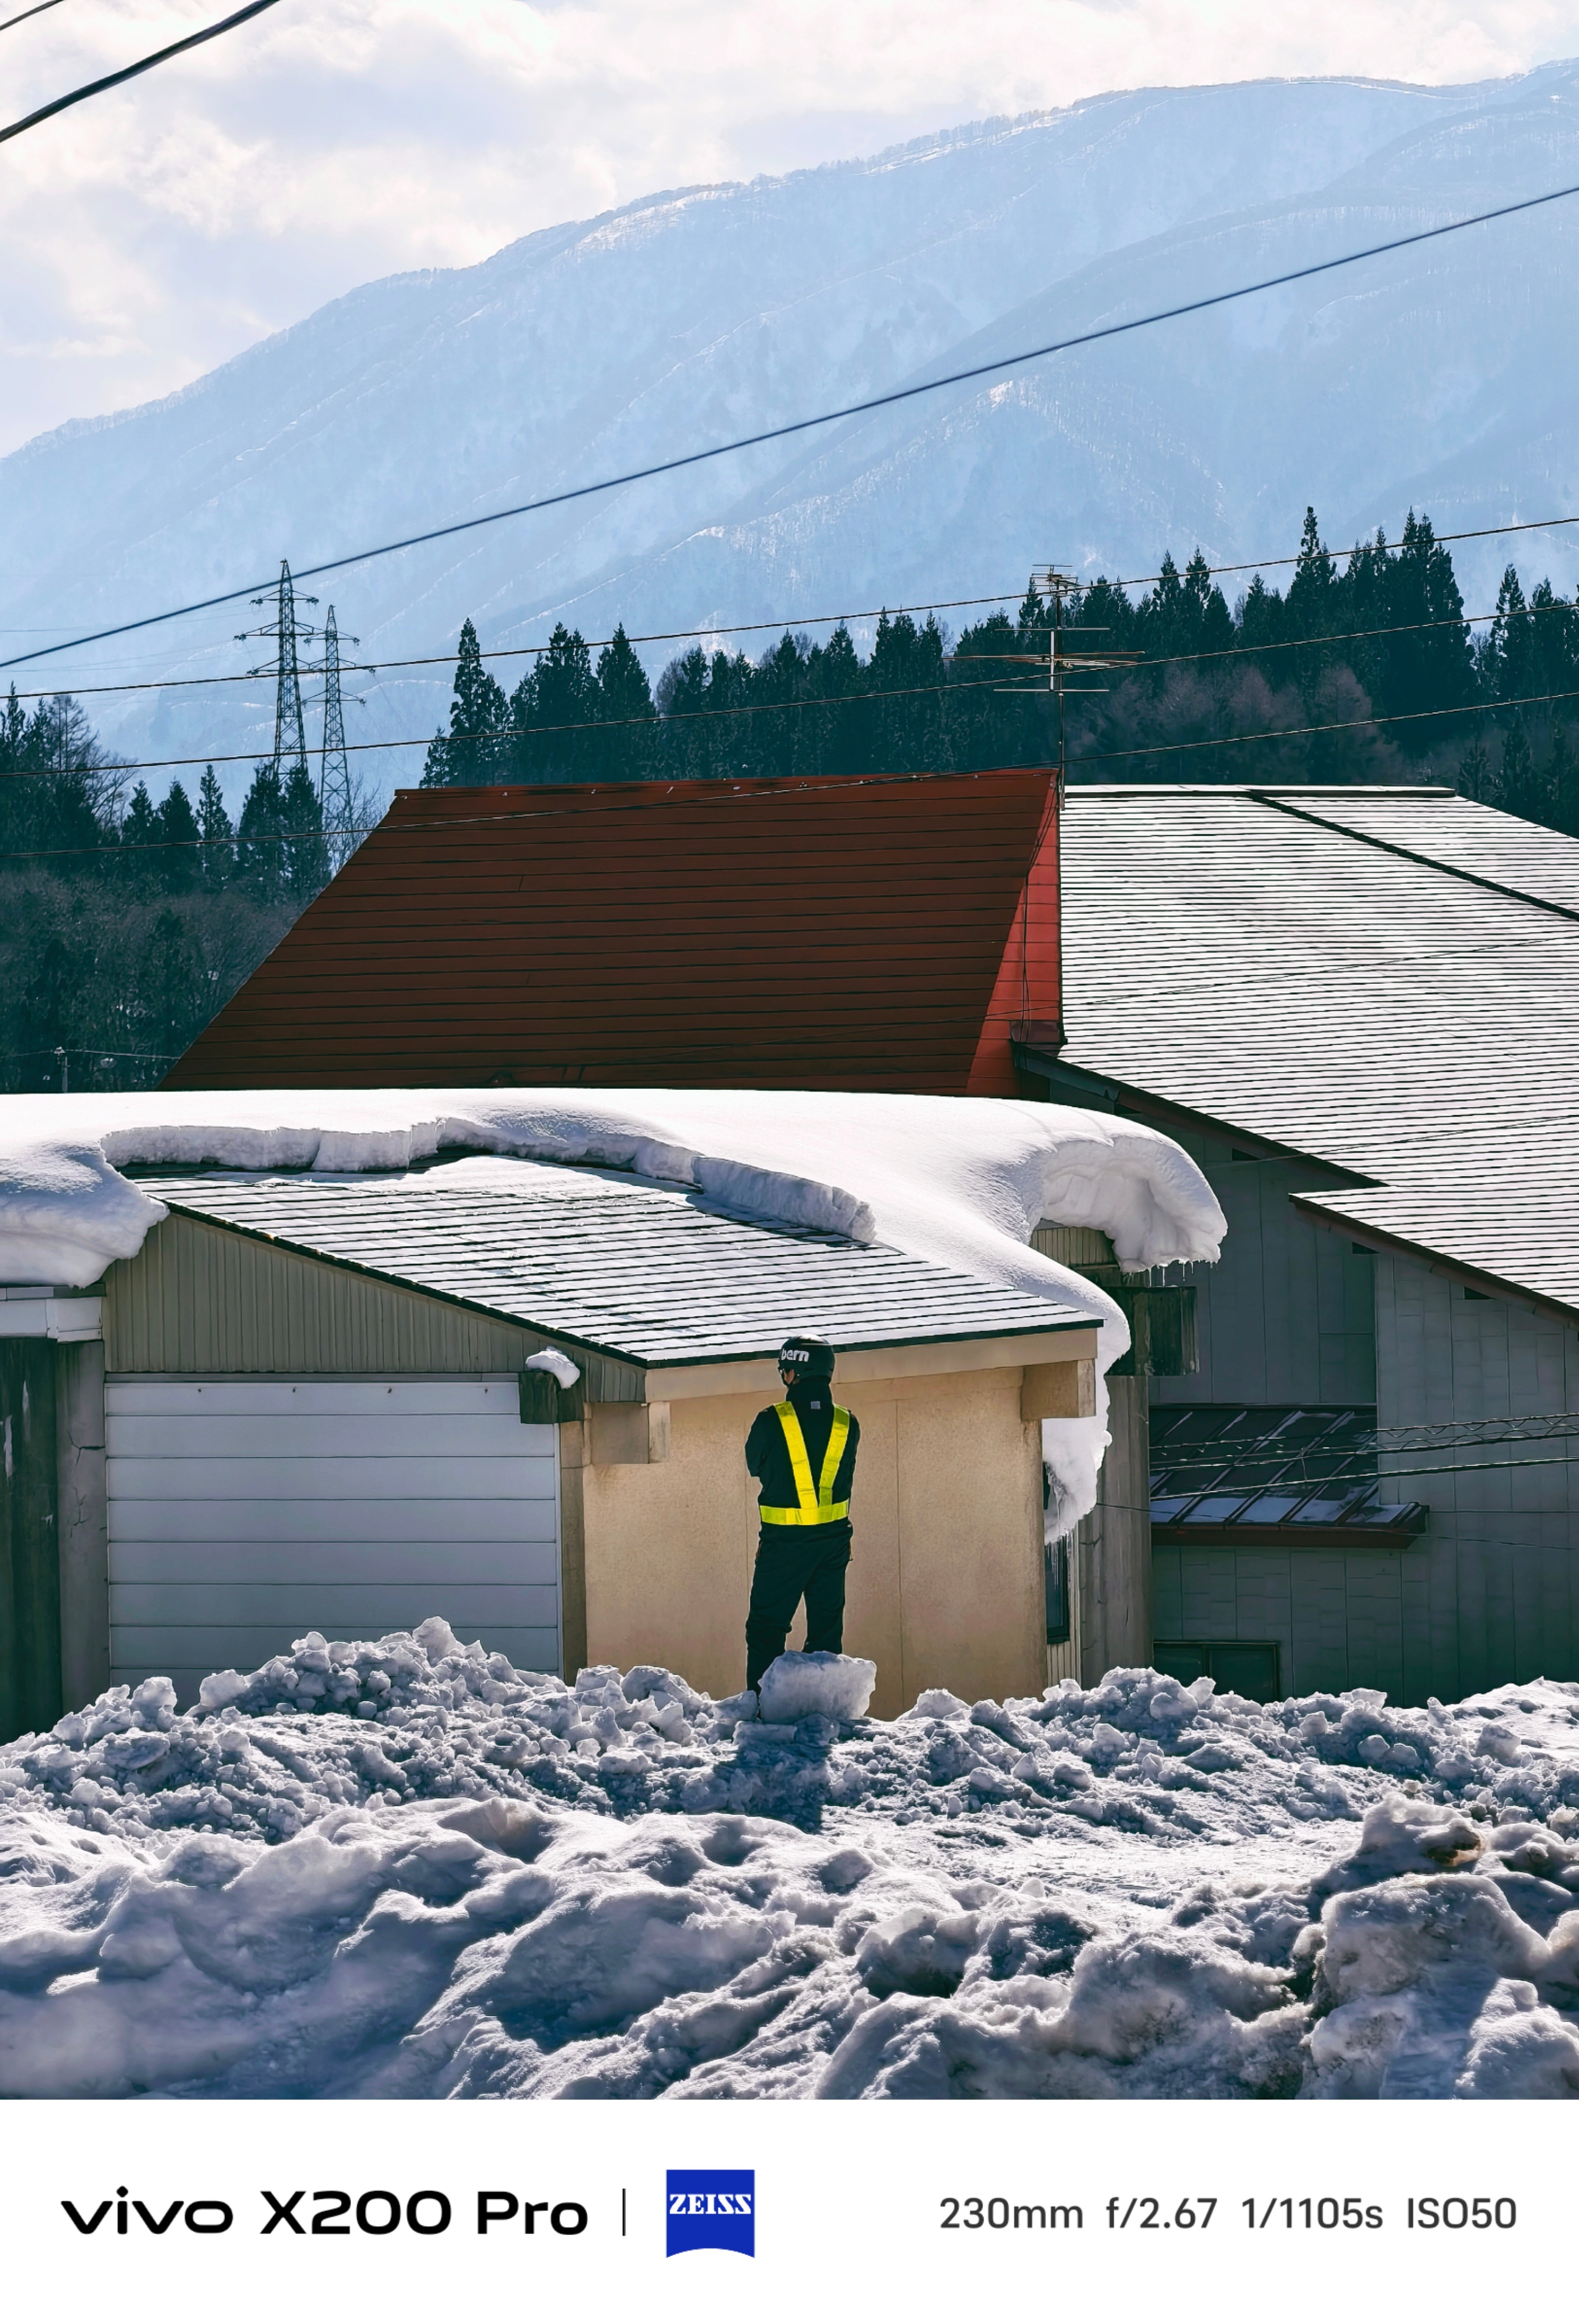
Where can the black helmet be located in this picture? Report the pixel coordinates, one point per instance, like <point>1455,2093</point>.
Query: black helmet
<point>809,1353</point>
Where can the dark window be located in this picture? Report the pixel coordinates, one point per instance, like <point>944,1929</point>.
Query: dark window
<point>1239,1666</point>
<point>1475,1294</point>
<point>1055,1566</point>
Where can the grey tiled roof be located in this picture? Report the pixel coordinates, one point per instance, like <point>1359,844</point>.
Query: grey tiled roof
<point>635,1270</point>
<point>1338,972</point>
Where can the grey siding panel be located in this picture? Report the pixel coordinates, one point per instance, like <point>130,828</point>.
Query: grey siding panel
<point>1286,1315</point>
<point>1492,1592</point>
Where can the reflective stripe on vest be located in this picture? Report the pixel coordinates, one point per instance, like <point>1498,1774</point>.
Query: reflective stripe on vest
<point>818,1506</point>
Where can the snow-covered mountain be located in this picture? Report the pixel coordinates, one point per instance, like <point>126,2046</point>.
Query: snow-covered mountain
<point>1445,376</point>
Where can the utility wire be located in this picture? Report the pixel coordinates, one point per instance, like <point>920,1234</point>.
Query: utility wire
<point>813,621</point>
<point>26,12</point>
<point>793,622</point>
<point>130,72</point>
<point>618,798</point>
<point>1334,726</point>
<point>772,709</point>
<point>650,719</point>
<point>789,427</point>
<point>826,702</point>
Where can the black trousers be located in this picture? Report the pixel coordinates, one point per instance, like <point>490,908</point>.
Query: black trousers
<point>793,1563</point>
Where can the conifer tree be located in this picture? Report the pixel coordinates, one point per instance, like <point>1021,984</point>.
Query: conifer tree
<point>476,749</point>
<point>140,834</point>
<point>217,856</point>
<point>178,869</point>
<point>258,833</point>
<point>305,859</point>
<point>1516,776</point>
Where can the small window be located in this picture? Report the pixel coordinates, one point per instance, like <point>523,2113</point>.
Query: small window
<point>1239,1666</point>
<point>1056,1573</point>
<point>1475,1294</point>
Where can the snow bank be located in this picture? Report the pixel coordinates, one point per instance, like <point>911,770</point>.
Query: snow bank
<point>401,1868</point>
<point>964,1181</point>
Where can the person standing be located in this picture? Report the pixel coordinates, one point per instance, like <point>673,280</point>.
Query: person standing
<point>802,1453</point>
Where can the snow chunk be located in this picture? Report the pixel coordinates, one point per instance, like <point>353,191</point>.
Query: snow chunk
<point>817,1686</point>
<point>551,1360</point>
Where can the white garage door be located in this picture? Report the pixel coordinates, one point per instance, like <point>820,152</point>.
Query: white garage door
<point>243,1513</point>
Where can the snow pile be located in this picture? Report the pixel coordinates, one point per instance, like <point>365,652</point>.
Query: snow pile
<point>401,1868</point>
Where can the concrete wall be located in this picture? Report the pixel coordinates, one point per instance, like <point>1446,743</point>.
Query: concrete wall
<point>1491,1594</point>
<point>945,1583</point>
<point>1286,1316</point>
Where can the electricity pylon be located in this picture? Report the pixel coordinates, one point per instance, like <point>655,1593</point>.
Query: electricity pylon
<point>288,633</point>
<point>336,795</point>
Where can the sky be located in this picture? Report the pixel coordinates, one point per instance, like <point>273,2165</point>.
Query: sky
<point>148,235</point>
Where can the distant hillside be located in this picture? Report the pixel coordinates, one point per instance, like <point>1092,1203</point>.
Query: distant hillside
<point>1443,378</point>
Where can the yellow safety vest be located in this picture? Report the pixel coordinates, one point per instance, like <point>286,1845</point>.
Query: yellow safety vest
<point>817,1505</point>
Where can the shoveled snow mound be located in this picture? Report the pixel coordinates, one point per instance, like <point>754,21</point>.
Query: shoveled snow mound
<point>403,1869</point>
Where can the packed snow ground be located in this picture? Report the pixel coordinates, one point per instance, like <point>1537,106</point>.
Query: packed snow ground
<point>403,1868</point>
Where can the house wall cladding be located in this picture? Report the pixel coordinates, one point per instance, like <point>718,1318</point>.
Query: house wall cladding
<point>1286,1315</point>
<point>1493,1590</point>
<point>200,1298</point>
<point>245,1512</point>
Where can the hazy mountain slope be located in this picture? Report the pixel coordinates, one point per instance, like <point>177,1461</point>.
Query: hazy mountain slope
<point>1443,376</point>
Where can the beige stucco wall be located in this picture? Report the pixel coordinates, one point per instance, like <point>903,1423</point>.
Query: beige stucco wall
<point>946,1581</point>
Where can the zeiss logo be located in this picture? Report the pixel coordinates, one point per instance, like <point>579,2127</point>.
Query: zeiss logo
<point>712,2210</point>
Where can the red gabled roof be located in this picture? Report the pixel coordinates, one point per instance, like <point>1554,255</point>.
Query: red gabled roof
<point>835,934</point>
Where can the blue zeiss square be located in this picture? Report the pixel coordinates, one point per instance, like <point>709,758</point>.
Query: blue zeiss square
<point>712,2210</point>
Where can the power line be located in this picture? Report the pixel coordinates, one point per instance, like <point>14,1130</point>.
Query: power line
<point>1362,548</point>
<point>1336,726</point>
<point>26,12</point>
<point>619,798</point>
<point>791,427</point>
<point>130,72</point>
<point>653,719</point>
<point>787,625</point>
<point>770,709</point>
<point>813,621</point>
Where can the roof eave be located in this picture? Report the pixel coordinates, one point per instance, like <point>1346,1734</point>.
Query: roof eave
<point>1439,1262</point>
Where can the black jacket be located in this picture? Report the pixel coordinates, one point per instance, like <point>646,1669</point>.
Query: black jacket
<point>767,1455</point>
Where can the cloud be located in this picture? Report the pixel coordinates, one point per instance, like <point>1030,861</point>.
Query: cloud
<point>151,233</point>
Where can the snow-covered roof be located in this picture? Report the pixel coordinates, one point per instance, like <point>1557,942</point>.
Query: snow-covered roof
<point>1383,983</point>
<point>650,1274</point>
<point>962,1183</point>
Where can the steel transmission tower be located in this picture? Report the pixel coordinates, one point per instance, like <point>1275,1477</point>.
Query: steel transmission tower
<point>336,795</point>
<point>290,727</point>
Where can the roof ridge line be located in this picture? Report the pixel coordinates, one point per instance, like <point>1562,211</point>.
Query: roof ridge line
<point>1412,855</point>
